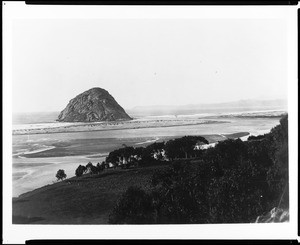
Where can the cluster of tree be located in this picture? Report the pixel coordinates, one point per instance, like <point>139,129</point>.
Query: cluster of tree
<point>124,157</point>
<point>157,152</point>
<point>89,168</point>
<point>184,147</point>
<point>234,182</point>
<point>258,137</point>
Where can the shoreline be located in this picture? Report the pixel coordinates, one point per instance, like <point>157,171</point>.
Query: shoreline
<point>212,138</point>
<point>88,127</point>
<point>64,151</point>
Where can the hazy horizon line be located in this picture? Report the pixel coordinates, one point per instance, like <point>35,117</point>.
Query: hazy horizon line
<point>212,103</point>
<point>165,105</point>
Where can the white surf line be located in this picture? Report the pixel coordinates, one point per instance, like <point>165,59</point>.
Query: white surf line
<point>148,141</point>
<point>95,155</point>
<point>17,154</point>
<point>37,151</point>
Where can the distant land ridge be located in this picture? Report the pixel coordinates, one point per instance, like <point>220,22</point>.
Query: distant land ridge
<point>231,104</point>
<point>93,105</point>
<point>225,107</point>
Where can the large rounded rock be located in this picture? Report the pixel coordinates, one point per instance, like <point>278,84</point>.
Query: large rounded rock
<point>93,105</point>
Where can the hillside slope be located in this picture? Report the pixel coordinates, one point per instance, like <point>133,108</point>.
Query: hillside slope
<point>85,200</point>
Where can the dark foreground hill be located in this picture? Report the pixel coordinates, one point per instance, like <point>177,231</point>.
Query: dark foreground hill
<point>85,200</point>
<point>93,105</point>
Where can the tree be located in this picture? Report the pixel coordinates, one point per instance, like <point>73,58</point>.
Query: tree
<point>113,157</point>
<point>183,147</point>
<point>139,152</point>
<point>100,166</point>
<point>229,152</point>
<point>94,170</point>
<point>80,170</point>
<point>121,156</point>
<point>154,151</point>
<point>60,175</point>
<point>258,137</point>
<point>90,168</point>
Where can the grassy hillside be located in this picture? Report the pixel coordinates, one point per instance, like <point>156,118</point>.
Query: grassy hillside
<point>85,200</point>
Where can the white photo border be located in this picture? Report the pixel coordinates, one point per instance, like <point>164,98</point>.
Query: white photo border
<point>13,233</point>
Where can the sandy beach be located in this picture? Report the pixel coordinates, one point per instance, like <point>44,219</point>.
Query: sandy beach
<point>107,126</point>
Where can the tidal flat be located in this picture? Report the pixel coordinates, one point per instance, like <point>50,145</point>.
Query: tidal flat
<point>37,157</point>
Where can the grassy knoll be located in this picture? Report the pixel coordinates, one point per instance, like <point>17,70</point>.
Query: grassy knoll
<point>84,200</point>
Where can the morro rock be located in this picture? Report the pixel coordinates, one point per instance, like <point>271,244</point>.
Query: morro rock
<point>93,105</point>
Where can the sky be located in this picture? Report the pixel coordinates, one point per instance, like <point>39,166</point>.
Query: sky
<point>145,62</point>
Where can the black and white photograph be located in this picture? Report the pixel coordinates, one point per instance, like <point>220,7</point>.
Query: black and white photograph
<point>152,116</point>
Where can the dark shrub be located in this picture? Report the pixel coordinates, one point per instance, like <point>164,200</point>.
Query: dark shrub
<point>134,207</point>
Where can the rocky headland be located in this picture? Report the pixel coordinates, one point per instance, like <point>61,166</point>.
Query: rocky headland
<point>93,105</point>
